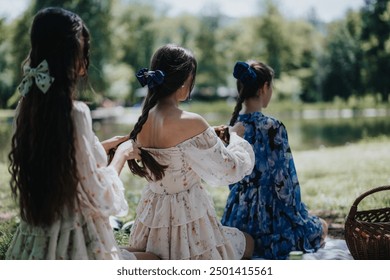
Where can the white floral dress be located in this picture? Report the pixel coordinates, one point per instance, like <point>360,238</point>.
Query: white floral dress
<point>84,232</point>
<point>176,218</point>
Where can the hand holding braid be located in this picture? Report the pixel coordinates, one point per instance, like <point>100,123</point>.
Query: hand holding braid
<point>40,75</point>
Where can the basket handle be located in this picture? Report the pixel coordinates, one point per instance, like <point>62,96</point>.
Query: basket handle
<point>353,210</point>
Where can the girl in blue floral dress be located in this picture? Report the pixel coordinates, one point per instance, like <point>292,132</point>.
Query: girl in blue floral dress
<point>267,203</point>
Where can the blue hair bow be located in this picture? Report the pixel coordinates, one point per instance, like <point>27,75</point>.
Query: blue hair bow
<point>150,78</point>
<point>244,73</point>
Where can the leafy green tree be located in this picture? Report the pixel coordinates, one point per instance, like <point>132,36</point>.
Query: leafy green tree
<point>271,32</point>
<point>300,60</point>
<point>376,44</point>
<point>134,31</point>
<point>342,62</point>
<point>180,30</point>
<point>5,63</point>
<point>20,46</point>
<point>210,74</point>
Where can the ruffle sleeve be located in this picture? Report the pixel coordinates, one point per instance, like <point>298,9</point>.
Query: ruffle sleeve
<point>217,164</point>
<point>102,190</point>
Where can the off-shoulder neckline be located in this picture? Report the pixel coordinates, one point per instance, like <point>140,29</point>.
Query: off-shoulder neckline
<point>181,143</point>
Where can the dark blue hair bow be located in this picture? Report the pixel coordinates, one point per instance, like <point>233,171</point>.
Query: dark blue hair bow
<point>150,78</point>
<point>244,73</point>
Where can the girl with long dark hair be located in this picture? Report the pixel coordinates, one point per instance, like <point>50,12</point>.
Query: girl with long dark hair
<point>59,173</point>
<point>175,216</point>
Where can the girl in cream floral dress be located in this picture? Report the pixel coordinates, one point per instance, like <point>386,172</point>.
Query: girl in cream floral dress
<point>58,167</point>
<point>175,216</point>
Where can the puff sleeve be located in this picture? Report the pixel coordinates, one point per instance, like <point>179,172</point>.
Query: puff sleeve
<point>101,190</point>
<point>217,164</point>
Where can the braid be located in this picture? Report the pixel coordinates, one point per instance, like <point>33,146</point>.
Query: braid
<point>170,67</point>
<point>237,110</point>
<point>147,160</point>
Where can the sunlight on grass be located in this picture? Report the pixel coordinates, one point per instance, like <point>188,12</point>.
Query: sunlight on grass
<point>330,178</point>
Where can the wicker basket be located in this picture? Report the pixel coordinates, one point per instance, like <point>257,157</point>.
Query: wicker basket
<point>367,233</point>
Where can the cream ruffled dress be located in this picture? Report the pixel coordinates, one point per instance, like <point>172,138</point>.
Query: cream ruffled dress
<point>176,218</point>
<point>83,232</point>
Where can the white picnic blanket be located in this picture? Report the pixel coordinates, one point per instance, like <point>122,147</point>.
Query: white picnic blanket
<point>334,249</point>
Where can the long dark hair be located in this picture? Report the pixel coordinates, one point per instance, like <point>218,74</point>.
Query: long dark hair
<point>177,64</point>
<point>42,158</point>
<point>248,85</point>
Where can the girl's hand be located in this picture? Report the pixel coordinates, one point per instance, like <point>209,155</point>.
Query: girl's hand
<point>223,133</point>
<point>125,151</point>
<point>129,149</point>
<point>113,142</point>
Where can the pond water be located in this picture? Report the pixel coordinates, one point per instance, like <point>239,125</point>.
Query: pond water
<point>304,134</point>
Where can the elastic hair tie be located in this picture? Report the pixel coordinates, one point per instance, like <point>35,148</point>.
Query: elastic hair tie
<point>150,78</point>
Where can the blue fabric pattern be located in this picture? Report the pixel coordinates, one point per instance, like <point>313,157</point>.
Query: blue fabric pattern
<point>267,203</point>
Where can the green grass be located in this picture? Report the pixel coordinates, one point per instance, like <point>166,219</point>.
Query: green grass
<point>7,229</point>
<point>330,179</point>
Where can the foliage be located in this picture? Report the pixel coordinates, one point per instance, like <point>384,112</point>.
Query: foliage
<point>330,177</point>
<point>313,61</point>
<point>376,44</point>
<point>7,229</point>
<point>134,32</point>
<point>343,62</point>
<point>206,42</point>
<point>5,62</point>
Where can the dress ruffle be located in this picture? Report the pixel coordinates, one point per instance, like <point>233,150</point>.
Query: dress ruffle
<point>176,218</point>
<point>83,232</point>
<point>90,240</point>
<point>267,203</point>
<point>183,208</point>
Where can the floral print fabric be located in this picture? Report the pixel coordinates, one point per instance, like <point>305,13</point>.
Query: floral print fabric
<point>84,232</point>
<point>267,203</point>
<point>175,216</point>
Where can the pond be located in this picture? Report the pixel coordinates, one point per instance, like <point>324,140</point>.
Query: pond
<point>304,133</point>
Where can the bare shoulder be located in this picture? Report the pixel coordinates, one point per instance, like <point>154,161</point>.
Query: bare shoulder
<point>181,129</point>
<point>193,123</point>
<point>171,129</point>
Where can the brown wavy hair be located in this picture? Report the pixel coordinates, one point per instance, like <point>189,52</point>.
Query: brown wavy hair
<point>177,64</point>
<point>42,157</point>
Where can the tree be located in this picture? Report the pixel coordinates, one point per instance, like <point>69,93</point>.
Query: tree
<point>20,46</point>
<point>342,62</point>
<point>6,73</point>
<point>210,74</point>
<point>376,44</point>
<point>134,31</point>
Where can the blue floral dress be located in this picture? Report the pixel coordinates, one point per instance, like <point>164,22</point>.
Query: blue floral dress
<point>267,203</point>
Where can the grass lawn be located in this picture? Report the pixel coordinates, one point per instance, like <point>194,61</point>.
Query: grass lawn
<point>330,178</point>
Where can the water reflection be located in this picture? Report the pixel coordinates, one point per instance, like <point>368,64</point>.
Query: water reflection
<point>312,134</point>
<point>303,134</point>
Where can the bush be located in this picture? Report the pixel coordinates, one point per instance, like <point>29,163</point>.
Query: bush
<point>7,230</point>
